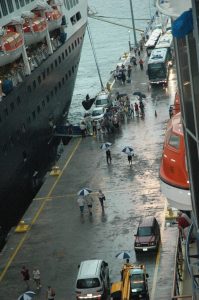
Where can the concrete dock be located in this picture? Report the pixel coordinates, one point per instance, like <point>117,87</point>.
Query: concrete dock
<point>59,238</point>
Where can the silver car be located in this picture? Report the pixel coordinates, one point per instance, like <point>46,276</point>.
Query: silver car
<point>103,99</point>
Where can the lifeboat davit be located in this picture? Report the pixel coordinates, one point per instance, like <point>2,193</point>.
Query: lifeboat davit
<point>34,28</point>
<point>11,43</point>
<point>173,167</point>
<point>54,18</point>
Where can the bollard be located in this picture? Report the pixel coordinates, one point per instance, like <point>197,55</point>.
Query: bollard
<point>55,171</point>
<point>22,227</point>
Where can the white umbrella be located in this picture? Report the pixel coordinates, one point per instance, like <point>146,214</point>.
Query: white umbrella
<point>105,146</point>
<point>128,150</point>
<point>84,192</point>
<point>123,255</point>
<point>27,296</point>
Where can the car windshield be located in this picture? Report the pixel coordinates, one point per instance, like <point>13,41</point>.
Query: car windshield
<point>144,231</point>
<point>97,112</point>
<point>137,281</point>
<point>88,283</point>
<point>101,101</point>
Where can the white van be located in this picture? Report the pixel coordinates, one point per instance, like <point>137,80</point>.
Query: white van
<point>92,280</point>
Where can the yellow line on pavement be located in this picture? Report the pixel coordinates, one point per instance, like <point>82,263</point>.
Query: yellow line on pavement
<point>157,262</point>
<point>45,200</point>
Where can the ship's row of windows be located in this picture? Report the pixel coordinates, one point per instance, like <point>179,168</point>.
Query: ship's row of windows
<point>9,7</point>
<point>58,61</point>
<point>70,3</point>
<point>36,112</point>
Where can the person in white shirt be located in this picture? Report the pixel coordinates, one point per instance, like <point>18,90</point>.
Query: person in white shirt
<point>81,203</point>
<point>36,277</point>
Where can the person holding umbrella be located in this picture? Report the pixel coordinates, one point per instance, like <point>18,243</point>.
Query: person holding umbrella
<point>81,204</point>
<point>81,201</point>
<point>106,146</point>
<point>108,156</point>
<point>130,158</point>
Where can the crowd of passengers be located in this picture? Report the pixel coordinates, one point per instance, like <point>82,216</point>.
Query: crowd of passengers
<point>121,108</point>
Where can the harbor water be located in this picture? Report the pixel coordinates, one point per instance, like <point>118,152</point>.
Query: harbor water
<point>110,42</point>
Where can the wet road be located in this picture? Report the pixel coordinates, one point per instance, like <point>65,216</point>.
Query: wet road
<point>59,238</point>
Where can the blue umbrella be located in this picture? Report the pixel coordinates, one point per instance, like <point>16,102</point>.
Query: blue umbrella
<point>27,296</point>
<point>105,146</point>
<point>128,150</point>
<point>84,192</point>
<point>123,255</point>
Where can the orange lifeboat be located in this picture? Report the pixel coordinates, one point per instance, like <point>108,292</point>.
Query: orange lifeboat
<point>54,18</point>
<point>173,167</point>
<point>11,43</point>
<point>34,28</point>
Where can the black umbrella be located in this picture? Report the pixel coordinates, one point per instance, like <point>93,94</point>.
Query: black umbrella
<point>88,103</point>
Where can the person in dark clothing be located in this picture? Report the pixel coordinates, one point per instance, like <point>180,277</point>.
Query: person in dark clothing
<point>141,105</point>
<point>170,111</point>
<point>123,77</point>
<point>129,71</point>
<point>108,156</point>
<point>26,275</point>
<point>130,159</point>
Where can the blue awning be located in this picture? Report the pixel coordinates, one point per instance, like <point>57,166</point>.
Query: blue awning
<point>183,25</point>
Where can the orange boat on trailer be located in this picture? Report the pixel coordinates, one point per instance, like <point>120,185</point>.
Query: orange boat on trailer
<point>173,168</point>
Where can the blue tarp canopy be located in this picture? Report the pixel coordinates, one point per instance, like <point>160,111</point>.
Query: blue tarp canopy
<point>183,24</point>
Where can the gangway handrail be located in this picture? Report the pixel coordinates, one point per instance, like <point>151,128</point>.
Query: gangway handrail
<point>175,275</point>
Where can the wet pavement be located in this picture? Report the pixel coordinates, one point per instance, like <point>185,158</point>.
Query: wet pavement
<point>60,238</point>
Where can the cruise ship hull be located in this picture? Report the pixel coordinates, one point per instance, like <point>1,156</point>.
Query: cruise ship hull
<point>28,116</point>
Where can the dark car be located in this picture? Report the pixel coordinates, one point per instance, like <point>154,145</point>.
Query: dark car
<point>138,283</point>
<point>148,235</point>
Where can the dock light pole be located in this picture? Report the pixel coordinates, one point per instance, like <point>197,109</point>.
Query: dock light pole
<point>133,23</point>
<point>129,41</point>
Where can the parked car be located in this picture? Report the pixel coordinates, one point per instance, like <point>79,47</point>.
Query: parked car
<point>92,280</point>
<point>98,113</point>
<point>103,99</point>
<point>148,235</point>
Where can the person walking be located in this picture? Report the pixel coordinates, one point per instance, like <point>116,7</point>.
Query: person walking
<point>129,157</point>
<point>94,127</point>
<point>81,203</point>
<point>141,63</point>
<point>183,223</point>
<point>50,293</point>
<point>123,78</point>
<point>36,277</point>
<point>108,156</point>
<point>26,276</point>
<point>89,203</point>
<point>102,198</point>
<point>136,109</point>
<point>129,70</point>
